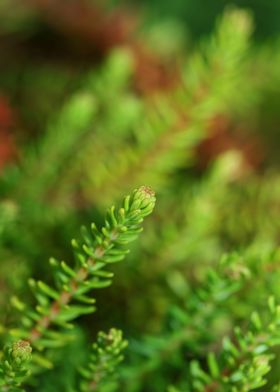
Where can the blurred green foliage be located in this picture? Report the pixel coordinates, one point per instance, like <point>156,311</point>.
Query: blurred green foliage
<point>199,16</point>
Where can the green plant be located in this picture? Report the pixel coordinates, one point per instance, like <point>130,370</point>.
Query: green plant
<point>90,120</point>
<point>55,307</point>
<point>244,364</point>
<point>14,365</point>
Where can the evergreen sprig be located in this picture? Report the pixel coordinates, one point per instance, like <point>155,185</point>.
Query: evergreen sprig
<point>14,366</point>
<point>191,323</point>
<point>245,361</point>
<point>68,299</point>
<point>106,355</point>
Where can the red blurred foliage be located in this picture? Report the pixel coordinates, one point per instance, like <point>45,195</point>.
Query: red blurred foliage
<point>98,30</point>
<point>224,136</point>
<point>151,73</point>
<point>95,31</point>
<point>7,144</point>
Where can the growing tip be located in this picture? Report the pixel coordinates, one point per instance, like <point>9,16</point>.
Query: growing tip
<point>147,191</point>
<point>144,199</point>
<point>21,351</point>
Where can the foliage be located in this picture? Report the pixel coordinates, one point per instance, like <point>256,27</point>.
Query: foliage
<point>244,364</point>
<point>98,249</point>
<point>14,365</point>
<point>89,111</point>
<point>106,355</point>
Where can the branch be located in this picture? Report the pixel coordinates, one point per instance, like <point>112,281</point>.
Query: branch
<point>243,364</point>
<point>106,355</point>
<point>98,249</point>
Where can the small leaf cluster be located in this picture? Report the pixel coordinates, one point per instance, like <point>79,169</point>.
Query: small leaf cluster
<point>14,366</point>
<point>105,357</point>
<point>245,360</point>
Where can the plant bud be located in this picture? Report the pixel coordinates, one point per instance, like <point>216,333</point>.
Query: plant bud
<point>144,200</point>
<point>20,352</point>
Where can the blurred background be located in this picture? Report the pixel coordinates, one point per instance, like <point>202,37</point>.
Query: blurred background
<point>47,47</point>
<point>100,97</point>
